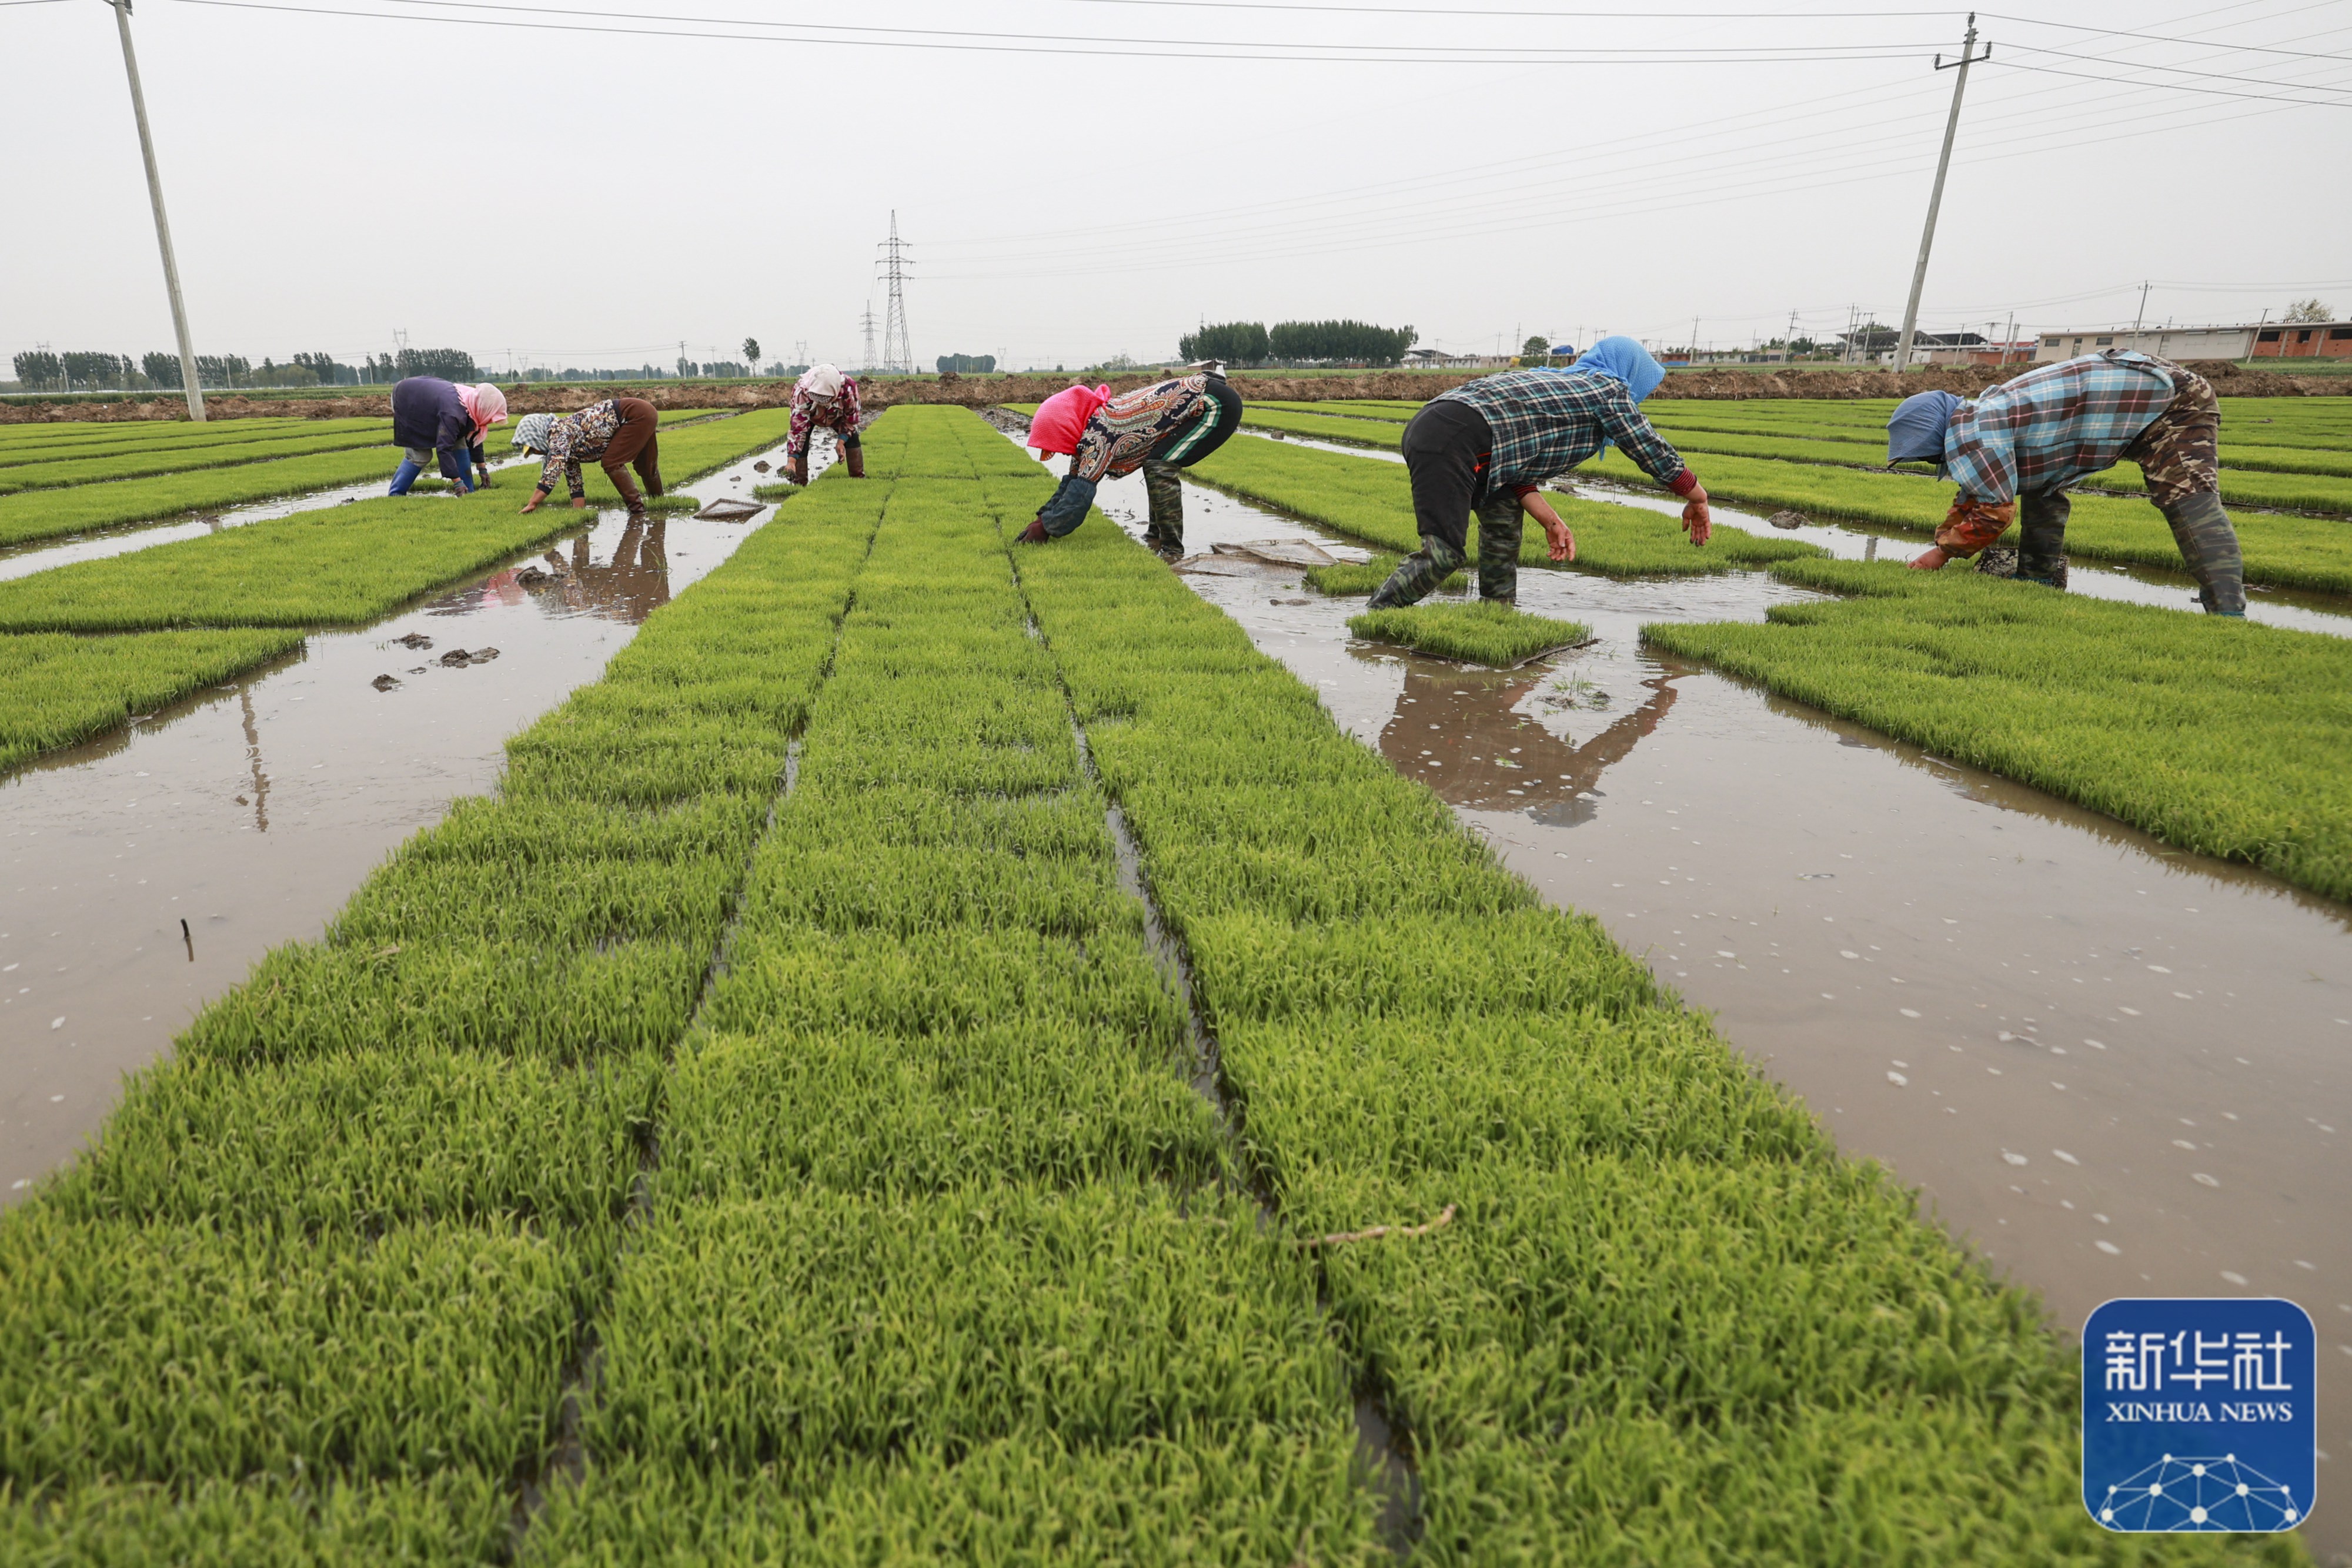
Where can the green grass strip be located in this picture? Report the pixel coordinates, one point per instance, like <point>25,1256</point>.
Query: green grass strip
<point>1373,501</point>
<point>1478,633</point>
<point>2280,551</point>
<point>34,515</point>
<point>2166,721</point>
<point>118,441</point>
<point>55,690</point>
<point>1325,427</point>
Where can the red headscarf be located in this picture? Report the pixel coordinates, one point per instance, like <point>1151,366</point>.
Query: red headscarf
<point>1061,419</point>
<point>485,405</point>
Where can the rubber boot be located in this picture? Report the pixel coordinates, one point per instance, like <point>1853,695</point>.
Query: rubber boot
<point>654,481</point>
<point>1417,573</point>
<point>1501,526</point>
<point>627,486</point>
<point>1163,494</point>
<point>2201,526</point>
<point>855,457</point>
<point>404,475</point>
<point>2042,538</point>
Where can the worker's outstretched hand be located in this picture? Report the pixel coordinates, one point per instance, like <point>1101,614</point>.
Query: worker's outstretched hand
<point>1560,541</point>
<point>1697,521</point>
<point>578,502</point>
<point>482,479</point>
<point>1932,559</point>
<point>536,497</point>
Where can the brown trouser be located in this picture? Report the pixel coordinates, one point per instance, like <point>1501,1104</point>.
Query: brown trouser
<point>636,445</point>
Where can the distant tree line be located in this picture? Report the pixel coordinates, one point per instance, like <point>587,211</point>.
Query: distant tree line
<point>967,365</point>
<point>1298,343</point>
<point>40,371</point>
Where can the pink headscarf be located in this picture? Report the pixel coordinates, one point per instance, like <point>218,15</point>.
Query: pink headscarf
<point>1061,419</point>
<point>486,403</point>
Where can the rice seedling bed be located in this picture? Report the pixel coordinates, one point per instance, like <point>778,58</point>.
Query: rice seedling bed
<point>2218,736</point>
<point>320,1286</point>
<point>1351,576</point>
<point>57,689</point>
<point>2287,552</point>
<point>1373,502</point>
<point>1407,1035</point>
<point>138,465</point>
<point>1475,634</point>
<point>50,514</point>
<point>35,443</point>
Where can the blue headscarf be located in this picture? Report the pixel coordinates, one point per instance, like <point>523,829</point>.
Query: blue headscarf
<point>1625,360</point>
<point>1915,430</point>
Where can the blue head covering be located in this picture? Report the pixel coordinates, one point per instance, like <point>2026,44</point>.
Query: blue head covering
<point>1915,430</point>
<point>1628,362</point>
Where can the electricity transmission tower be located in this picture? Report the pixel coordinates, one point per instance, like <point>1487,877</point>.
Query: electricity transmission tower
<point>867,322</point>
<point>898,353</point>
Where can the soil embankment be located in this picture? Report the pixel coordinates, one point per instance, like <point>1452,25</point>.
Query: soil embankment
<point>981,391</point>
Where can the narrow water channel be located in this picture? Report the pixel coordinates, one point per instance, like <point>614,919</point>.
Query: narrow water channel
<point>2112,1067</point>
<point>252,810</point>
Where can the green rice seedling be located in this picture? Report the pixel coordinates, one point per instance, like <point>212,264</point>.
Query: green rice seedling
<point>1054,1104</point>
<point>172,1352</point>
<point>1325,427</point>
<point>2280,551</point>
<point>364,1139</point>
<point>2161,718</point>
<point>139,463</point>
<point>1482,634</point>
<point>456,1515</point>
<point>777,491</point>
<point>817,1325</point>
<point>1353,576</point>
<point>57,689</point>
<point>2254,457</point>
<point>1250,1495</point>
<point>1373,501</point>
<point>2290,491</point>
<point>44,443</point>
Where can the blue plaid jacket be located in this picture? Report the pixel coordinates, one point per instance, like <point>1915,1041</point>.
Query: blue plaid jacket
<point>2054,424</point>
<point>1547,421</point>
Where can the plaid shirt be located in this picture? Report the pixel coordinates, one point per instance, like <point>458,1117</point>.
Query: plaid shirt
<point>839,414</point>
<point>2054,425</point>
<point>1547,421</point>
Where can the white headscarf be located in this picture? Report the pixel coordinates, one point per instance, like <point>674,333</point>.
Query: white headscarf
<point>821,381</point>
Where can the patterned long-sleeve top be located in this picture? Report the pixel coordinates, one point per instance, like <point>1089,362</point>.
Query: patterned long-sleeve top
<point>573,437</point>
<point>1544,423</point>
<point>838,414</point>
<point>2054,424</point>
<point>1132,426</point>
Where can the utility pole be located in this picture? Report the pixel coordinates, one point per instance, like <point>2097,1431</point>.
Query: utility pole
<point>1968,56</point>
<point>2143,311</point>
<point>898,353</point>
<point>188,379</point>
<point>1789,342</point>
<point>2008,336</point>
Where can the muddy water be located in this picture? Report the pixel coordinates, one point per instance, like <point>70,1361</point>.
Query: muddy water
<point>2112,1067</point>
<point>251,811</point>
<point>2305,611</point>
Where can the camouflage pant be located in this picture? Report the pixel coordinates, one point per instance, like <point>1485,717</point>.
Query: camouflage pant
<point>1501,524</point>
<point>2177,452</point>
<point>1164,493</point>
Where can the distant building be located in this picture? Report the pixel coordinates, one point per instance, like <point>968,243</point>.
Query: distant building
<point>1436,359</point>
<point>2303,340</point>
<point>2167,342</point>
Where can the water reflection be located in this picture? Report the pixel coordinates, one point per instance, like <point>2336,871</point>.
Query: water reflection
<point>1462,733</point>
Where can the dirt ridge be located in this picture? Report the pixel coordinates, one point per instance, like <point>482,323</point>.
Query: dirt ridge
<point>981,391</point>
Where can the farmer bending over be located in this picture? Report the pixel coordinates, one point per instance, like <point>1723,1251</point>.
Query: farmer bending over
<point>1488,445</point>
<point>1161,429</point>
<point>2032,437</point>
<point>433,418</point>
<point>823,399</point>
<point>620,433</point>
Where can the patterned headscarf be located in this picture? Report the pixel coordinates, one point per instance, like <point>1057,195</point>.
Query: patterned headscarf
<point>1916,429</point>
<point>531,431</point>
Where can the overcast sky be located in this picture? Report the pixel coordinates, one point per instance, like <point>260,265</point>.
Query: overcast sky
<point>570,195</point>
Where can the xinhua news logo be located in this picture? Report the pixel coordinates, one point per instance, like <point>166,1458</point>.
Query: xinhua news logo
<point>2199,1414</point>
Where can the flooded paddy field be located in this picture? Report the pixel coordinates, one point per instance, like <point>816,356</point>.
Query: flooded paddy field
<point>250,812</point>
<point>2116,1068</point>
